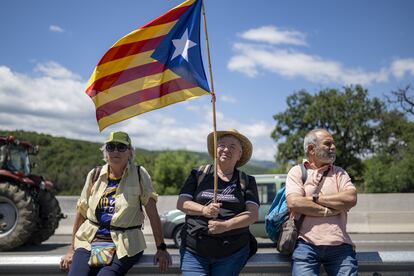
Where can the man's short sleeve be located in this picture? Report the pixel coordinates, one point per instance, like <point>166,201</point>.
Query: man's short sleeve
<point>344,180</point>
<point>294,183</point>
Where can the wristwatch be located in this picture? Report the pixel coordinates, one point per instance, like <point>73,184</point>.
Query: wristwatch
<point>315,197</point>
<point>162,246</point>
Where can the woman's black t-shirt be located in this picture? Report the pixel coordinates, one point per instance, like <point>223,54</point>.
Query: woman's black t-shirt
<point>231,196</point>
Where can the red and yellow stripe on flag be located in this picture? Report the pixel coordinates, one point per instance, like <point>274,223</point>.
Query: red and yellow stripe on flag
<point>129,81</point>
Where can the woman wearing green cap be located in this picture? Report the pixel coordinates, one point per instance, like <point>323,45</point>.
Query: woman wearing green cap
<point>107,237</point>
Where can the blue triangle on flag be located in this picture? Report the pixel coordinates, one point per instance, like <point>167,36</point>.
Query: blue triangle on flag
<point>180,50</point>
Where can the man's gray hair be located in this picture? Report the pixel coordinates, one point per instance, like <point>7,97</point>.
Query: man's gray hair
<point>311,139</point>
<point>105,154</point>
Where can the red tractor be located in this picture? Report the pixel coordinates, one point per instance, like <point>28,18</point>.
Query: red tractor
<point>29,211</point>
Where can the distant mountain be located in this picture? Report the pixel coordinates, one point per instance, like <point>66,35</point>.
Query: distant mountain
<point>263,164</point>
<point>66,162</point>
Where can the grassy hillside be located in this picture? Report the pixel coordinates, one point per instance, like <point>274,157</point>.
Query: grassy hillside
<point>67,161</point>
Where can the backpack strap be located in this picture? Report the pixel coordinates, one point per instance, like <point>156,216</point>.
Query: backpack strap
<point>202,171</point>
<point>139,179</point>
<point>95,175</point>
<point>304,173</point>
<point>141,189</point>
<point>244,180</point>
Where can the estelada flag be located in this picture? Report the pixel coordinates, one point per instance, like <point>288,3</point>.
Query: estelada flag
<point>154,66</point>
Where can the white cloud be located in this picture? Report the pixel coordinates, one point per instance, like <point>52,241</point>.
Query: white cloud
<point>243,64</point>
<point>250,59</point>
<point>56,29</point>
<point>44,102</point>
<point>272,35</point>
<point>400,67</point>
<point>53,101</point>
<point>227,99</point>
<point>55,70</point>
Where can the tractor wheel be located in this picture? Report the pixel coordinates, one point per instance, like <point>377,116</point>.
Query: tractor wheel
<point>49,216</point>
<point>18,216</point>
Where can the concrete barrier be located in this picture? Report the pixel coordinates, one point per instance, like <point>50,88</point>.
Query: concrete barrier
<point>374,213</point>
<point>382,263</point>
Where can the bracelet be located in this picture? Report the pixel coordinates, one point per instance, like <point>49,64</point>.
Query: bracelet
<point>326,212</point>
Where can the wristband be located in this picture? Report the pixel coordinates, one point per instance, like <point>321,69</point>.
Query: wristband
<point>326,212</point>
<point>162,246</point>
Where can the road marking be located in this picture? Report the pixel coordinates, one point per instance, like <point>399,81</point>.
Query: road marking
<point>383,241</point>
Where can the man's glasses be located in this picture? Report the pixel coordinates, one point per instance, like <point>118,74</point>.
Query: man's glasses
<point>118,146</point>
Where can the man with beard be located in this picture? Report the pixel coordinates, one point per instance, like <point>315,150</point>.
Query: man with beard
<point>324,200</point>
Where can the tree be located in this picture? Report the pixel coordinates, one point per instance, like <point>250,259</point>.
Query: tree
<point>171,168</point>
<point>349,115</point>
<point>404,98</point>
<point>391,169</point>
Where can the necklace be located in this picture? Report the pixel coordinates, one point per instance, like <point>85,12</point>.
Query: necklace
<point>225,174</point>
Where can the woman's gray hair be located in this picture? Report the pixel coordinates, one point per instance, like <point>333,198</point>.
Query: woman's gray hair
<point>311,139</point>
<point>131,159</point>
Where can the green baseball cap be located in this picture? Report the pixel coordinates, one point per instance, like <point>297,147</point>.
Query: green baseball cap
<point>119,137</point>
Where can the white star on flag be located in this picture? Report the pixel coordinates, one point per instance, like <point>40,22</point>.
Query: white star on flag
<point>182,45</point>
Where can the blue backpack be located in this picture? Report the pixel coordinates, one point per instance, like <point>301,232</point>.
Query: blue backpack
<point>279,212</point>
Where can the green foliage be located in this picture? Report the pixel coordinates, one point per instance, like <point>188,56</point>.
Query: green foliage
<point>66,162</point>
<point>392,168</point>
<point>171,169</point>
<point>375,145</point>
<point>349,115</point>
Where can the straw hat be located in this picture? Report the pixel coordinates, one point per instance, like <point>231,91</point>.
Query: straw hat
<point>247,147</point>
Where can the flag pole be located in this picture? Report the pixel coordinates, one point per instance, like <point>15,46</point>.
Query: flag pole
<point>213,102</point>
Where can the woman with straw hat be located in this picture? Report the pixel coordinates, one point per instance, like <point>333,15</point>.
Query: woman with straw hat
<point>215,237</point>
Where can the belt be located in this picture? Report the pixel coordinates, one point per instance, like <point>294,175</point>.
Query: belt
<point>116,228</point>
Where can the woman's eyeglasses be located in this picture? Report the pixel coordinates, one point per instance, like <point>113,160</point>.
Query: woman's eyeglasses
<point>230,147</point>
<point>110,147</point>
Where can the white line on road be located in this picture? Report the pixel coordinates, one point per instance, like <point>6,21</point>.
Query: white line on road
<point>383,241</point>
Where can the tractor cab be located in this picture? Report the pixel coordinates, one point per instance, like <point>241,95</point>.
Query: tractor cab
<point>14,155</point>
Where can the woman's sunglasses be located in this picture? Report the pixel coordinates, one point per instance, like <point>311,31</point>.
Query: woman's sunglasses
<point>118,146</point>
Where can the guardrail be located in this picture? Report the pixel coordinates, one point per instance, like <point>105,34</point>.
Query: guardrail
<point>374,213</point>
<point>381,263</point>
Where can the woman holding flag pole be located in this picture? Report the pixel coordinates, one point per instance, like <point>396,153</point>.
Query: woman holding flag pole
<point>215,239</point>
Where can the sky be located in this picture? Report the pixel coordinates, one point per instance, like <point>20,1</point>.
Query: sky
<point>262,51</point>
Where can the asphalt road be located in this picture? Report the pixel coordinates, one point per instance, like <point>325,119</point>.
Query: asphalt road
<point>58,244</point>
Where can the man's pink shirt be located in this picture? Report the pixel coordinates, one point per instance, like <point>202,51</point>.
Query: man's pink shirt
<point>321,230</point>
